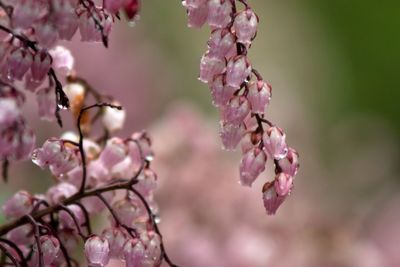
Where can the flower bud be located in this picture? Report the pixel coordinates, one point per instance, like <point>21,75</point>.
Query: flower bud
<point>116,239</point>
<point>197,16</point>
<point>275,142</point>
<point>231,135</point>
<point>252,164</point>
<point>113,119</point>
<point>97,251</point>
<point>21,235</point>
<point>66,219</point>
<point>259,96</point>
<point>221,42</point>
<point>59,192</point>
<point>63,61</point>
<point>245,26</point>
<point>221,92</point>
<point>219,13</point>
<point>18,205</point>
<point>272,200</point>
<point>114,5</point>
<point>40,65</point>
<point>114,152</point>
<point>237,70</point>
<point>290,163</point>
<point>65,18</point>
<point>50,248</point>
<point>210,66</point>
<point>19,61</point>
<point>283,184</point>
<point>236,111</point>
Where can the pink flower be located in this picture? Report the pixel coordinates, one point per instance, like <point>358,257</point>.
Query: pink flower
<point>97,251</point>
<point>245,26</point>
<point>272,200</point>
<point>221,42</point>
<point>147,182</point>
<point>40,65</point>
<point>197,16</point>
<point>283,184</point>
<point>19,204</point>
<point>116,238</point>
<point>290,163</point>
<point>19,61</point>
<point>63,61</point>
<point>114,152</point>
<point>231,135</point>
<point>221,92</point>
<point>237,71</point>
<point>275,142</point>
<point>65,18</point>
<point>50,248</point>
<point>236,111</point>
<point>252,164</point>
<point>142,251</point>
<point>219,13</point>
<point>210,66</point>
<point>21,235</point>
<point>46,34</point>
<point>259,96</point>
<point>9,112</point>
<point>27,12</point>
<point>131,212</point>
<point>67,220</point>
<point>59,192</point>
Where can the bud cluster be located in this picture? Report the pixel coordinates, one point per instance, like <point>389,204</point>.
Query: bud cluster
<point>242,95</point>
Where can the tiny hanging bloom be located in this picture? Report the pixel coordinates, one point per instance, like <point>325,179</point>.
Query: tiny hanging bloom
<point>97,251</point>
<point>231,135</point>
<point>290,163</point>
<point>116,238</point>
<point>237,71</point>
<point>210,66</point>
<point>40,65</point>
<point>197,16</point>
<point>21,235</point>
<point>221,42</point>
<point>252,164</point>
<point>66,219</point>
<point>114,152</point>
<point>250,141</point>
<point>132,8</point>
<point>275,142</point>
<point>59,192</point>
<point>147,182</point>
<point>219,13</point>
<point>272,200</point>
<point>65,18</point>
<point>131,212</point>
<point>245,26</point>
<point>50,248</point>
<point>46,34</point>
<point>259,96</point>
<point>221,92</point>
<point>63,61</point>
<point>236,111</point>
<point>283,184</point>
<point>19,204</point>
<point>113,119</point>
<point>19,61</point>
<point>134,252</point>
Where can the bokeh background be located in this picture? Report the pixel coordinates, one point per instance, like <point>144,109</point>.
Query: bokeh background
<point>334,69</point>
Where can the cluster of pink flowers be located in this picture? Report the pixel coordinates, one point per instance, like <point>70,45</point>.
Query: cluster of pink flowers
<point>28,54</point>
<point>131,235</point>
<point>242,95</point>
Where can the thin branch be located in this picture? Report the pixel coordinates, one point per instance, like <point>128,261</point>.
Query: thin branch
<point>6,165</point>
<point>9,255</point>
<point>81,150</point>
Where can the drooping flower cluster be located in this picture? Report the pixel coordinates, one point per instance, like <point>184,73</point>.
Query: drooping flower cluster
<point>28,54</point>
<point>242,95</point>
<point>92,175</point>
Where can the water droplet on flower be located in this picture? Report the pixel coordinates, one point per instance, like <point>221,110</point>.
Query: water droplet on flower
<point>133,21</point>
<point>61,106</point>
<point>157,219</point>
